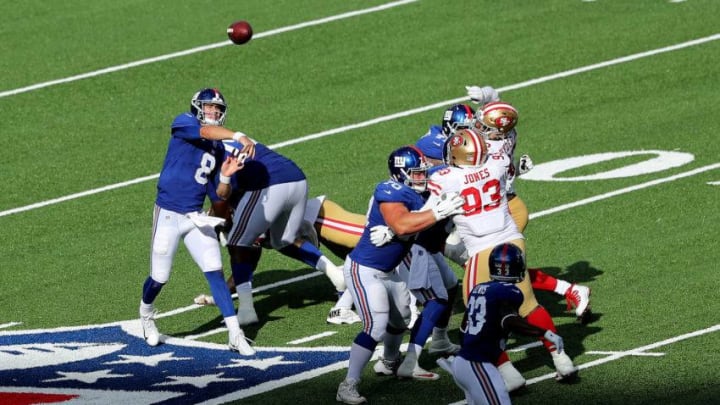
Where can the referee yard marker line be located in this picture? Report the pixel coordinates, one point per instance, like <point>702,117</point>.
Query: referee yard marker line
<point>203,48</point>
<point>390,117</point>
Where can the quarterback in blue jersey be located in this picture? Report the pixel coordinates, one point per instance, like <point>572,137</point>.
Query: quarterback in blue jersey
<point>189,174</point>
<point>492,313</point>
<point>381,297</point>
<point>268,196</point>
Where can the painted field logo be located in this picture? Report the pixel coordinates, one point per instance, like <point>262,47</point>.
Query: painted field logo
<point>112,364</point>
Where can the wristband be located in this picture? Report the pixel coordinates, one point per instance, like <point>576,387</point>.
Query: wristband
<point>224,179</point>
<point>237,136</point>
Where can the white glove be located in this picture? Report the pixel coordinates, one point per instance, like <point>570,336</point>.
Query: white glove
<point>380,235</point>
<point>450,204</point>
<point>556,339</point>
<point>525,164</point>
<point>482,95</point>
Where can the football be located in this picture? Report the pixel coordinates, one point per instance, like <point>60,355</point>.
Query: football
<point>239,32</point>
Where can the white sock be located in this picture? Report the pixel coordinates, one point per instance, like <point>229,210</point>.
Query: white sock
<point>323,263</point>
<point>345,300</point>
<point>440,334</point>
<point>233,326</point>
<point>146,309</point>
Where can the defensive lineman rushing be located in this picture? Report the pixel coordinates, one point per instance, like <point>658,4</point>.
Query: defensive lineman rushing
<point>380,296</point>
<point>495,121</point>
<point>487,222</point>
<point>187,177</point>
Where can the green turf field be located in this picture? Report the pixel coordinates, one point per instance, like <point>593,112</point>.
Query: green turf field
<point>89,88</point>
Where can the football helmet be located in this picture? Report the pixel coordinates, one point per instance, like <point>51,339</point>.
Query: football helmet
<point>405,164</point>
<point>507,263</point>
<point>496,118</point>
<point>208,96</point>
<point>465,148</point>
<point>457,117</point>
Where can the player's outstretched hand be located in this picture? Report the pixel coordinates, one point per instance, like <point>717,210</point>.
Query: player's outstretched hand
<point>380,235</point>
<point>449,204</point>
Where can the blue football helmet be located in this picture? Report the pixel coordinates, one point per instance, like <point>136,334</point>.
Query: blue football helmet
<point>457,117</point>
<point>208,96</point>
<point>405,164</point>
<point>507,263</point>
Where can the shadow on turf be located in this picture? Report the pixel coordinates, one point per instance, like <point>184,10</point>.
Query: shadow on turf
<point>302,294</point>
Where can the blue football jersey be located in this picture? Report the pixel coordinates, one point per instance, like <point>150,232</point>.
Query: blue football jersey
<point>484,338</point>
<point>190,167</point>
<point>431,144</point>
<point>388,256</point>
<point>265,169</point>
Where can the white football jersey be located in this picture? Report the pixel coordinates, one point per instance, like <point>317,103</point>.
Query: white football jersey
<point>506,146</point>
<point>487,221</point>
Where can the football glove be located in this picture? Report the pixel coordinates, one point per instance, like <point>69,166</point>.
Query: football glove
<point>482,95</point>
<point>556,339</point>
<point>449,204</point>
<point>380,235</point>
<point>525,164</point>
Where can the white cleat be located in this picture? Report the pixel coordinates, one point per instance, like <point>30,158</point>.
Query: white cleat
<point>347,392</point>
<point>204,299</point>
<point>511,377</point>
<point>578,296</point>
<point>241,345</point>
<point>150,330</point>
<point>566,370</point>
<point>410,369</point>
<point>339,316</point>
<point>387,367</point>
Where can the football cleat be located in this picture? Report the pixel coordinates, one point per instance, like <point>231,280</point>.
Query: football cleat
<point>387,367</point>
<point>578,296</point>
<point>241,345</point>
<point>347,392</point>
<point>409,368</point>
<point>566,370</point>
<point>204,299</point>
<point>339,316</point>
<point>150,330</point>
<point>511,376</point>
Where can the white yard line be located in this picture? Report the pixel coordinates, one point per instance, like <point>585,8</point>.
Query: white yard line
<point>311,338</point>
<point>390,117</point>
<point>203,48</point>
